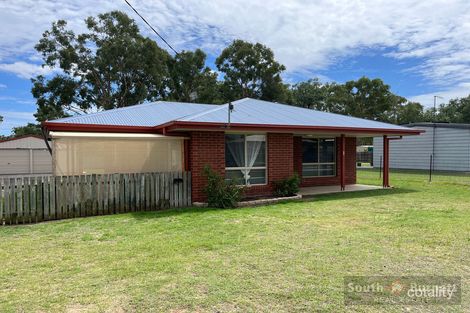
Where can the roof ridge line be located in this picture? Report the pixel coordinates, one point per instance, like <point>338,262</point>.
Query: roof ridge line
<point>189,117</point>
<point>243,100</point>
<point>219,107</point>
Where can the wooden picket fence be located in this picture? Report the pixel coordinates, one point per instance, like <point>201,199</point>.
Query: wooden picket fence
<point>34,199</point>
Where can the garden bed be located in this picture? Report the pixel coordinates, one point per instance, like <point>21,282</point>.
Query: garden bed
<point>256,201</point>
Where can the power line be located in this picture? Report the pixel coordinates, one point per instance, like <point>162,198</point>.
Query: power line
<point>151,27</point>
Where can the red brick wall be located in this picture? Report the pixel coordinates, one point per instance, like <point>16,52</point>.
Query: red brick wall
<point>205,148</point>
<point>284,158</point>
<point>323,181</point>
<point>280,162</point>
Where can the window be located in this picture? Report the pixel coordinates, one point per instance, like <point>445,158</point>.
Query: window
<point>318,157</point>
<point>245,159</point>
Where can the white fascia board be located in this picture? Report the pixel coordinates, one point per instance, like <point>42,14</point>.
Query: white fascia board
<point>54,134</point>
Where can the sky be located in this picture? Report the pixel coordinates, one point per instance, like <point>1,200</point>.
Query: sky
<point>420,48</point>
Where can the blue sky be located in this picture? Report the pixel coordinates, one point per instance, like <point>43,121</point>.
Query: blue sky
<point>419,48</point>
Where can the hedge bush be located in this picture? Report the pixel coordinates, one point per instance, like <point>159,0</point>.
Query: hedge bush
<point>220,193</point>
<point>287,187</point>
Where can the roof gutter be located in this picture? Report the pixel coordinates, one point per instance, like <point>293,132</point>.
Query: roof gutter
<point>186,125</point>
<point>96,128</point>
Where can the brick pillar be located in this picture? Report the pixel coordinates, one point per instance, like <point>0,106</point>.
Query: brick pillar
<point>205,148</point>
<point>350,160</point>
<point>342,161</point>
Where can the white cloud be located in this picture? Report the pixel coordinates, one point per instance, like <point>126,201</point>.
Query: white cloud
<point>3,86</point>
<point>16,100</point>
<point>24,70</point>
<point>13,119</point>
<point>427,100</point>
<point>306,36</point>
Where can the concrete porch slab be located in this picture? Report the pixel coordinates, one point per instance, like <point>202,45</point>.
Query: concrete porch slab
<point>322,190</point>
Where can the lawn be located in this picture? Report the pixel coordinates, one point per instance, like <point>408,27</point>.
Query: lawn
<point>279,258</point>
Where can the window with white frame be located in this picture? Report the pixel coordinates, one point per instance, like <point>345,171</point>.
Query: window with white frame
<point>245,159</point>
<point>318,157</point>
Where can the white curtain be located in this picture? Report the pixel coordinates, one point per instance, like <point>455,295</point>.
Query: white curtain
<point>237,150</point>
<point>236,147</point>
<point>254,144</point>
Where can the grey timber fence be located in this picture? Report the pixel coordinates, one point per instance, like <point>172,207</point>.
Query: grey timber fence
<point>26,200</point>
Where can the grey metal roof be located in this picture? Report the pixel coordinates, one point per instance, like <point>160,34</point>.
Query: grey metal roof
<point>147,114</point>
<point>246,111</point>
<point>252,111</point>
<point>440,125</point>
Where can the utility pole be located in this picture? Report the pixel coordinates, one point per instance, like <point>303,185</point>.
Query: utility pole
<point>433,157</point>
<point>435,109</point>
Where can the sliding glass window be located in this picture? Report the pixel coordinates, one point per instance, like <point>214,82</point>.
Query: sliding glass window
<point>245,159</point>
<point>318,157</point>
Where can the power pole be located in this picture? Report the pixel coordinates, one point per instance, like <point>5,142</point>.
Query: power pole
<point>433,157</point>
<point>435,108</point>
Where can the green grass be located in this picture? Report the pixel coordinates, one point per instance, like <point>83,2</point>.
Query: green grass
<point>280,258</point>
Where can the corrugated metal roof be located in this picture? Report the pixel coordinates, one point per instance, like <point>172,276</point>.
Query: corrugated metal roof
<point>440,125</point>
<point>23,142</point>
<point>259,112</point>
<point>246,111</point>
<point>147,114</point>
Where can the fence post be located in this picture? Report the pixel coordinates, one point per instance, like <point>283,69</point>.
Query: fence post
<point>380,167</point>
<point>2,201</point>
<point>430,168</point>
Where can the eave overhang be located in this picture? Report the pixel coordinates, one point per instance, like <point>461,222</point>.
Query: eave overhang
<point>183,126</point>
<point>188,126</point>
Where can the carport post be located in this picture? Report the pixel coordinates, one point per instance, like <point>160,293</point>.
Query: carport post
<point>386,183</point>
<point>343,162</point>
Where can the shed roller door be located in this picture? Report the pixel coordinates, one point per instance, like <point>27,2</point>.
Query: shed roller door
<point>14,162</point>
<point>42,162</point>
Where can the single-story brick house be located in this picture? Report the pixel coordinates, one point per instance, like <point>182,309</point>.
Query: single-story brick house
<point>256,142</point>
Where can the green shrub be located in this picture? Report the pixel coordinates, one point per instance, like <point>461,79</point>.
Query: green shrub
<point>287,187</point>
<point>221,194</point>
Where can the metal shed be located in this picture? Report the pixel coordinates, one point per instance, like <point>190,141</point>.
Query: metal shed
<point>24,155</point>
<point>448,143</point>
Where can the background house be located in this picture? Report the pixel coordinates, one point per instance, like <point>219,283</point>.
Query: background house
<point>448,143</point>
<point>24,155</point>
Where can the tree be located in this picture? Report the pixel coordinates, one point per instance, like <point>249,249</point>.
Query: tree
<point>310,94</point>
<point>191,80</point>
<point>431,115</point>
<point>250,71</point>
<point>337,98</point>
<point>111,65</point>
<point>411,112</point>
<point>456,111</point>
<point>372,99</point>
<point>29,129</point>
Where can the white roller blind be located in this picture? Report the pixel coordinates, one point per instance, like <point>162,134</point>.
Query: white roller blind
<point>76,156</point>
